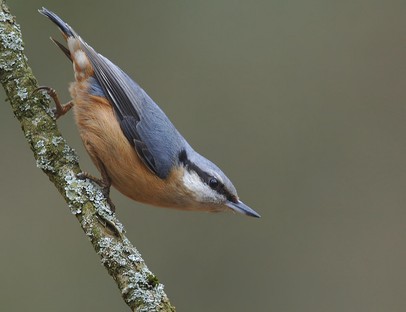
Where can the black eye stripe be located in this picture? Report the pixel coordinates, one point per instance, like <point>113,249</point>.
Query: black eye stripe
<point>214,183</point>
<point>192,167</point>
<point>205,177</point>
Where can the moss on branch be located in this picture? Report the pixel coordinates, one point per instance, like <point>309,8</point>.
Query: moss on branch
<point>139,287</point>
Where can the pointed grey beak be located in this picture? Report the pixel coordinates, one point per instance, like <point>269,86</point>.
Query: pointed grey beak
<point>242,208</point>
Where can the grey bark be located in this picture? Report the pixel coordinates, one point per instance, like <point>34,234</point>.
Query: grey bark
<point>139,287</point>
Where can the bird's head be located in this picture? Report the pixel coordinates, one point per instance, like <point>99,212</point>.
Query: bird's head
<point>209,186</point>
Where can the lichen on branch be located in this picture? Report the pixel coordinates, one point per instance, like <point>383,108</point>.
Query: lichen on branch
<point>139,287</point>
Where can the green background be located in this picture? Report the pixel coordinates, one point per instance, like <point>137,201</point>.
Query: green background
<point>301,103</point>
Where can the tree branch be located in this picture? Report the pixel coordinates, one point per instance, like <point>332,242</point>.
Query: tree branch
<point>140,288</point>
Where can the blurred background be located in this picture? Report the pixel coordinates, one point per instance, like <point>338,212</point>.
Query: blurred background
<point>301,103</point>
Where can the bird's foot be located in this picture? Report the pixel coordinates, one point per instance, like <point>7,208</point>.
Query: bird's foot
<point>59,109</point>
<point>105,184</point>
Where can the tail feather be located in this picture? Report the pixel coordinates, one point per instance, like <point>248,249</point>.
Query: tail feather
<point>64,49</point>
<point>65,28</point>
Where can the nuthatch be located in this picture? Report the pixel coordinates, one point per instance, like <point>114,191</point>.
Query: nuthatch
<point>131,140</point>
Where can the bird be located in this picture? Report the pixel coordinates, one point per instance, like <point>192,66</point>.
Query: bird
<point>132,142</point>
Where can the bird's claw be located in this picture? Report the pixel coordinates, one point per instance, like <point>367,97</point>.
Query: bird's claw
<point>59,109</point>
<point>105,185</point>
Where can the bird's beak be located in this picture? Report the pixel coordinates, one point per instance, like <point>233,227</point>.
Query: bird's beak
<point>242,208</point>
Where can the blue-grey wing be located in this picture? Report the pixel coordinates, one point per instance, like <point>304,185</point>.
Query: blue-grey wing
<point>145,125</point>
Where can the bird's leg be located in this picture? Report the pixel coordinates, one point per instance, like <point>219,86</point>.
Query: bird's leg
<point>60,109</point>
<point>104,182</point>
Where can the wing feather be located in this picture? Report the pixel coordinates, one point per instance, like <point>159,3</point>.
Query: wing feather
<point>145,125</point>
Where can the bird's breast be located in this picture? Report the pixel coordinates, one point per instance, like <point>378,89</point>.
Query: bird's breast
<point>107,146</point>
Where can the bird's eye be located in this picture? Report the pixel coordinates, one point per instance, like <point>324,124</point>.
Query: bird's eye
<point>213,183</point>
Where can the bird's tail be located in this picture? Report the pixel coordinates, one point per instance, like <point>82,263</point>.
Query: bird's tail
<point>66,30</point>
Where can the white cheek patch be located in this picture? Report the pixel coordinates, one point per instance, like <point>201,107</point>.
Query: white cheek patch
<point>200,190</point>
